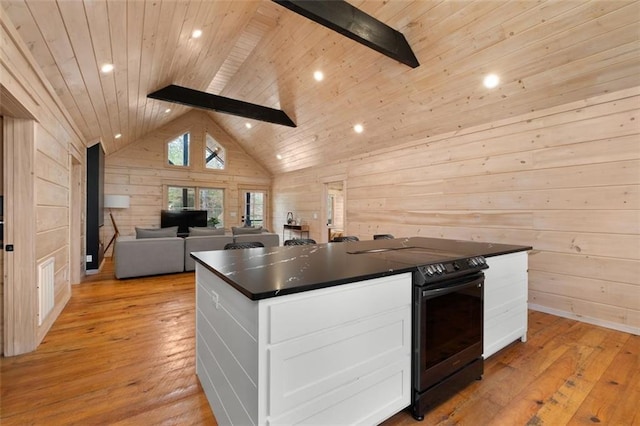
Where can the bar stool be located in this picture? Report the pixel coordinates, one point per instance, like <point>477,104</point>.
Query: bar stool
<point>243,245</point>
<point>300,242</point>
<point>383,237</point>
<point>345,238</point>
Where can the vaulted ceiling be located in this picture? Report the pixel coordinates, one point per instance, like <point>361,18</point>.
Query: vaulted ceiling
<point>546,53</point>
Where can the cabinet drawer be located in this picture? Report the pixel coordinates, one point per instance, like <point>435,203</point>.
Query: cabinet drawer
<point>313,311</point>
<point>506,268</point>
<point>335,362</point>
<point>495,297</point>
<point>519,304</point>
<point>503,329</point>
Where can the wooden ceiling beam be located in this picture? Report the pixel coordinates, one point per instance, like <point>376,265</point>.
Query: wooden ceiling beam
<point>351,22</point>
<point>195,98</point>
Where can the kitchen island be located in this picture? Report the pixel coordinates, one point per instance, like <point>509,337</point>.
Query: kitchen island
<point>315,334</point>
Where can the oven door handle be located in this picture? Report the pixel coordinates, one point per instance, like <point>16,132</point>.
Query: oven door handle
<point>477,281</point>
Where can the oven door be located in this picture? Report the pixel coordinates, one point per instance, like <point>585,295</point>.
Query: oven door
<point>448,324</point>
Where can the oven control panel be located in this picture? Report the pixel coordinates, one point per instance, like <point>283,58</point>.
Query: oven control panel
<point>450,269</point>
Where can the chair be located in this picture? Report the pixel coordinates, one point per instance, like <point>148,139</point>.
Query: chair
<point>300,242</point>
<point>383,237</point>
<point>243,245</point>
<point>345,238</point>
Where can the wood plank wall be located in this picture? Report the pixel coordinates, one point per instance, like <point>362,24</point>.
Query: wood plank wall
<point>564,180</point>
<point>52,193</point>
<point>2,248</point>
<point>140,170</point>
<point>54,137</point>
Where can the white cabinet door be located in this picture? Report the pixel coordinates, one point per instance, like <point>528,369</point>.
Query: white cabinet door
<point>505,301</point>
<point>340,355</point>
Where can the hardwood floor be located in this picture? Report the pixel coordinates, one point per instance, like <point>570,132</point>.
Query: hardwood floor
<point>122,352</point>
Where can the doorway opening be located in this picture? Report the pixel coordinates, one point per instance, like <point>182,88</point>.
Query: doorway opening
<point>254,208</point>
<point>76,239</point>
<point>334,210</point>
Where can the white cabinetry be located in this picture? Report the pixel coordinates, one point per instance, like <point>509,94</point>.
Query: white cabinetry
<point>338,355</point>
<point>505,301</point>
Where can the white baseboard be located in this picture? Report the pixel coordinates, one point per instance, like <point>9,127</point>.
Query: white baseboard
<point>588,320</point>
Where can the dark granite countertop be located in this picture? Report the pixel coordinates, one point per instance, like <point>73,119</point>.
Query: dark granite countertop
<point>275,271</point>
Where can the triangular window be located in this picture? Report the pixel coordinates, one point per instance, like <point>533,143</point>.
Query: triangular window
<point>178,151</point>
<point>214,154</point>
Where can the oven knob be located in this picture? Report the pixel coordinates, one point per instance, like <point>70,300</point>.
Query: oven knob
<point>472,261</point>
<point>481,260</point>
<point>440,268</point>
<point>429,270</point>
<point>456,266</point>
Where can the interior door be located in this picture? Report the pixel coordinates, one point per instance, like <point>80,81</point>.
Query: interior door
<point>254,208</point>
<point>334,210</point>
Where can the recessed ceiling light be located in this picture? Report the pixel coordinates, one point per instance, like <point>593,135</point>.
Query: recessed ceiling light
<point>248,125</point>
<point>117,136</point>
<point>167,111</point>
<point>107,68</point>
<point>279,157</point>
<point>358,128</point>
<point>318,75</point>
<point>491,81</point>
<point>196,33</point>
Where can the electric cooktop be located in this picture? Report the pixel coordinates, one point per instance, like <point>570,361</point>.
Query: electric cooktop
<point>411,255</point>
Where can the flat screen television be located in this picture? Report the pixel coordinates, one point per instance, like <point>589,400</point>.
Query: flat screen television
<point>183,219</point>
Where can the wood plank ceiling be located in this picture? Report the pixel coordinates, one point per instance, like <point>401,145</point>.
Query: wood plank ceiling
<point>546,53</point>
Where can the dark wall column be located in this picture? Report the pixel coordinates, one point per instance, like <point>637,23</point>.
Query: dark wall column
<point>95,206</point>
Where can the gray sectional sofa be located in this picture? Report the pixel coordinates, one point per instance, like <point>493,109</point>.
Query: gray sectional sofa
<point>137,257</point>
<point>148,256</point>
<point>203,243</point>
<point>266,238</point>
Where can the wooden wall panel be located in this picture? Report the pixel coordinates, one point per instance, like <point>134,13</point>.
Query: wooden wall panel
<point>301,193</point>
<point>20,300</point>
<point>140,171</point>
<point>2,250</point>
<point>52,181</point>
<point>42,195</point>
<point>565,180</point>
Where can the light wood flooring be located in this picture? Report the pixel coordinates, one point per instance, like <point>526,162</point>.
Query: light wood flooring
<point>122,352</point>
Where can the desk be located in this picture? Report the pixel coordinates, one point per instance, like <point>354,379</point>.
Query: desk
<point>301,229</point>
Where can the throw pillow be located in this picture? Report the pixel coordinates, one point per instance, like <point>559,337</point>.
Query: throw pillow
<point>238,230</point>
<point>199,231</point>
<point>171,231</point>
